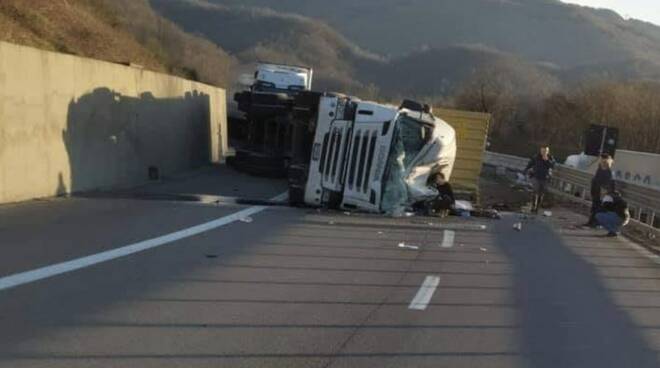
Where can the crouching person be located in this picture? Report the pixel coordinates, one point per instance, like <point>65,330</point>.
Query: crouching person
<point>614,213</point>
<point>445,201</point>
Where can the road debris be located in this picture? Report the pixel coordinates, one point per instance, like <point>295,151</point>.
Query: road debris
<point>518,226</point>
<point>483,249</point>
<point>406,246</point>
<point>247,219</point>
<point>547,213</point>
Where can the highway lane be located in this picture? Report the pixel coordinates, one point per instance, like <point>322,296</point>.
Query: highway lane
<point>305,288</point>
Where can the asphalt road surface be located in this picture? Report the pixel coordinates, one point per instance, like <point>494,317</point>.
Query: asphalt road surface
<point>139,283</point>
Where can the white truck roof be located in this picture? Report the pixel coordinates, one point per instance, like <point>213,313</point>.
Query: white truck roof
<point>284,76</point>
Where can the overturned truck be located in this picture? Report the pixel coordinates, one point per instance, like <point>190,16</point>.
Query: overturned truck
<point>340,152</point>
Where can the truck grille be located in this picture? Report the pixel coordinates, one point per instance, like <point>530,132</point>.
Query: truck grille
<point>334,144</point>
<point>362,156</point>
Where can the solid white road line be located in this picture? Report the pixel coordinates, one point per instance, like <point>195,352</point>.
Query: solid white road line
<point>448,238</point>
<point>76,264</point>
<point>425,293</point>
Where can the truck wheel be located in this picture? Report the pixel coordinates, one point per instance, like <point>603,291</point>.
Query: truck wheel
<point>297,177</point>
<point>270,98</point>
<point>307,100</point>
<point>296,196</point>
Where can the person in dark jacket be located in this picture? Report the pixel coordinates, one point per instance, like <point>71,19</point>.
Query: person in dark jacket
<point>540,170</point>
<point>613,213</point>
<point>445,199</point>
<point>603,180</point>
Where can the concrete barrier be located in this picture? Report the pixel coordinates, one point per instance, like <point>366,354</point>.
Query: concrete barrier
<point>71,124</point>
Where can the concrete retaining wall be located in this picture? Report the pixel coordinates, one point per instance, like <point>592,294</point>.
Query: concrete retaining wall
<point>71,124</point>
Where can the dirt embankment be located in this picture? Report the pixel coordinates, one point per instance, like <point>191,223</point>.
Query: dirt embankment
<point>120,31</point>
<point>80,27</point>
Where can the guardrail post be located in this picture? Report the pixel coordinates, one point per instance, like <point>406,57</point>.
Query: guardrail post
<point>651,218</point>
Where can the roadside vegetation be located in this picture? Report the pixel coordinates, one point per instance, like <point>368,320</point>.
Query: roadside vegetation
<point>559,117</point>
<point>120,31</point>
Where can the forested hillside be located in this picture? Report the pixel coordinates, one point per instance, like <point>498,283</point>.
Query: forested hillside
<point>122,31</point>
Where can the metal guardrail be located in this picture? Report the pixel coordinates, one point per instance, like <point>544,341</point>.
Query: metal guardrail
<point>644,201</point>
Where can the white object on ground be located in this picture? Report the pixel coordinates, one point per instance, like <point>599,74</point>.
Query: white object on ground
<point>483,249</point>
<point>518,226</point>
<point>547,213</point>
<point>246,219</point>
<point>461,205</point>
<point>406,246</point>
<point>425,293</point>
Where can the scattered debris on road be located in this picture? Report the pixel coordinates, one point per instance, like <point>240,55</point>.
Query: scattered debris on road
<point>518,226</point>
<point>247,219</point>
<point>406,246</point>
<point>547,213</point>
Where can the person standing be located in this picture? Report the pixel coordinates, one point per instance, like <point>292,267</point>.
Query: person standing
<point>613,213</point>
<point>539,169</point>
<point>603,180</point>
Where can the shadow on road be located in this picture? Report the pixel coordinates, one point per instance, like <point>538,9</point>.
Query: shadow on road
<point>568,316</point>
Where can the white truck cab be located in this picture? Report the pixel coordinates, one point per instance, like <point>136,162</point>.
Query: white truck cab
<point>275,77</point>
<point>374,157</point>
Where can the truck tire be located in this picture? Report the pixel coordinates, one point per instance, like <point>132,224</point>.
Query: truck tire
<point>297,177</point>
<point>270,98</point>
<point>296,196</point>
<point>307,100</point>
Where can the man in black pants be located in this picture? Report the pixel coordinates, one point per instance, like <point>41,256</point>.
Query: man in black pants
<point>445,200</point>
<point>603,180</point>
<point>540,169</point>
<point>614,213</point>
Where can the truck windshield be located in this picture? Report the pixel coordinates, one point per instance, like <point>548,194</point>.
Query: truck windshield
<point>410,136</point>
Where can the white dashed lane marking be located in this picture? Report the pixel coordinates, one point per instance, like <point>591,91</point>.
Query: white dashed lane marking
<point>425,293</point>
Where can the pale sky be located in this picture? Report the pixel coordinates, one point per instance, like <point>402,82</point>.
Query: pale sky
<point>648,10</point>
